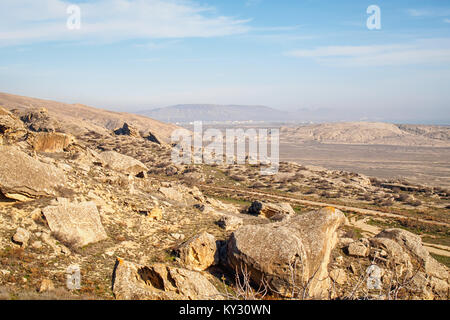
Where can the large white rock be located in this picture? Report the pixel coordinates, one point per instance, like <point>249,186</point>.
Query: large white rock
<point>23,177</point>
<point>288,254</point>
<point>160,282</point>
<point>122,163</point>
<point>76,223</point>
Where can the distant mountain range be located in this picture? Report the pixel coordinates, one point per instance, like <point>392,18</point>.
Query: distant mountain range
<point>186,113</point>
<point>209,112</point>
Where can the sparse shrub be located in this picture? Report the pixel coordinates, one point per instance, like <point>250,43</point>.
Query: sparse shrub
<point>237,178</point>
<point>294,189</point>
<point>414,203</point>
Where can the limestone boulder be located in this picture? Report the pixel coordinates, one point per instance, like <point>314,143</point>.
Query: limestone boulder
<point>389,250</point>
<point>51,141</point>
<point>229,222</point>
<point>11,128</point>
<point>122,163</point>
<point>358,249</point>
<point>171,193</point>
<point>160,282</point>
<point>199,252</point>
<point>21,237</point>
<point>288,254</point>
<point>46,286</point>
<point>76,223</point>
<point>276,212</point>
<point>23,177</point>
<point>412,244</point>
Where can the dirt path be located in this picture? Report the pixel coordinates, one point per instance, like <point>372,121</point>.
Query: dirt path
<point>368,229</point>
<point>323,204</point>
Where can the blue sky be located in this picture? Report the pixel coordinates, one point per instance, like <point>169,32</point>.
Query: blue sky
<point>315,54</point>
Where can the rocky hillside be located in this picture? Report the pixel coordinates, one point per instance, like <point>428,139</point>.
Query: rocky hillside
<point>110,202</point>
<point>80,119</point>
<point>369,133</point>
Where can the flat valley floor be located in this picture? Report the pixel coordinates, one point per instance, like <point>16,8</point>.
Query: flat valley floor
<point>423,165</point>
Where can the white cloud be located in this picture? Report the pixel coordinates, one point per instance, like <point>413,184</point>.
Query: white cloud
<point>28,21</point>
<point>251,3</point>
<point>428,12</point>
<point>428,51</point>
<point>447,20</point>
<point>418,13</point>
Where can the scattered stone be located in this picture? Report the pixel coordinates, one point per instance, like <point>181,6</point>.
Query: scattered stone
<point>199,252</point>
<point>37,244</point>
<point>46,286</point>
<point>21,237</point>
<point>339,276</point>
<point>155,214</point>
<point>200,207</point>
<point>171,193</point>
<point>357,249</point>
<point>345,242</point>
<point>229,222</point>
<point>177,236</point>
<point>339,260</point>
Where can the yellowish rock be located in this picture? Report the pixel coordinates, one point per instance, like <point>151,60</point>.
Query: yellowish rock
<point>155,214</point>
<point>46,285</point>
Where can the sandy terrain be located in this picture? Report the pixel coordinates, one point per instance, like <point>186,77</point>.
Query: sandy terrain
<point>424,165</point>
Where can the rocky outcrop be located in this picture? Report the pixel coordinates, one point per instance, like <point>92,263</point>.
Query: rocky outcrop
<point>153,138</point>
<point>77,224</point>
<point>11,128</point>
<point>23,177</point>
<point>38,120</point>
<point>289,255</point>
<point>122,163</point>
<point>399,265</point>
<point>51,141</point>
<point>412,244</point>
<point>127,130</point>
<point>271,211</point>
<point>160,282</point>
<point>199,252</point>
